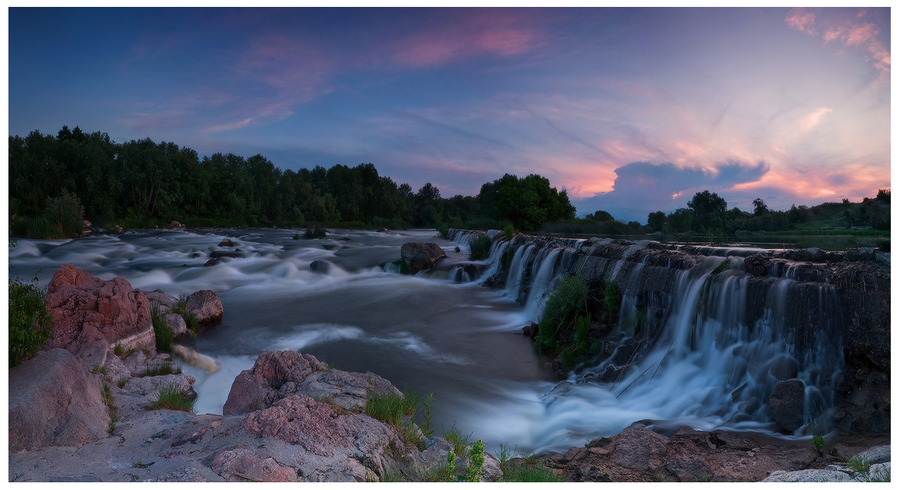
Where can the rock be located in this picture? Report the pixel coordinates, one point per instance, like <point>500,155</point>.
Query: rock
<point>382,230</point>
<point>54,401</point>
<point>226,243</point>
<point>808,476</point>
<point>786,403</point>
<point>86,308</point>
<point>783,368</point>
<point>345,389</point>
<point>205,305</point>
<point>256,388</point>
<point>178,325</point>
<point>319,266</point>
<point>210,263</point>
<point>175,224</point>
<point>149,386</point>
<point>421,255</point>
<point>218,254</point>
<point>757,265</point>
<point>638,448</point>
<point>877,455</point>
<point>164,302</point>
<point>328,432</point>
<point>242,464</point>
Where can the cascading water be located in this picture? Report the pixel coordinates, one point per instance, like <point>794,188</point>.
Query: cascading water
<point>723,340</point>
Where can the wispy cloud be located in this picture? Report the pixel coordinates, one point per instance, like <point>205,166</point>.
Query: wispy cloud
<point>850,27</point>
<point>465,33</point>
<point>814,118</point>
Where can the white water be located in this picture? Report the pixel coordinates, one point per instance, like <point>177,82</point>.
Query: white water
<point>455,340</point>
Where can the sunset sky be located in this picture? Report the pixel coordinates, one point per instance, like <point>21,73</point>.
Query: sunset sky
<point>630,110</point>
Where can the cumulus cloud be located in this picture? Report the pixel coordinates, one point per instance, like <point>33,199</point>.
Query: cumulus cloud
<point>641,188</point>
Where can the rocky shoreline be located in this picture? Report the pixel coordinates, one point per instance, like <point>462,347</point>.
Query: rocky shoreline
<point>83,410</point>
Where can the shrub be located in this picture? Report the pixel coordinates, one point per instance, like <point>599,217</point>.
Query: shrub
<point>509,231</point>
<point>65,214</point>
<point>480,248</point>
<point>172,398</point>
<point>30,324</point>
<point>611,296</point>
<point>582,342</point>
<point>443,230</point>
<point>162,330</point>
<point>315,232</point>
<point>476,461</point>
<point>564,303</point>
<point>818,443</point>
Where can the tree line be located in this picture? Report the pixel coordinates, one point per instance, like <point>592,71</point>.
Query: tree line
<point>56,181</point>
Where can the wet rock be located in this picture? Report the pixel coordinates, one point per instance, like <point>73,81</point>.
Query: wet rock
<point>757,265</point>
<point>210,263</point>
<point>783,368</point>
<point>205,305</point>
<point>421,255</point>
<point>226,243</point>
<point>319,267</point>
<point>174,224</point>
<point>54,401</point>
<point>786,403</point>
<point>86,308</point>
<point>218,254</point>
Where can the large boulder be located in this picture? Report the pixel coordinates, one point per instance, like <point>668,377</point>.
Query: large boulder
<point>206,306</point>
<point>277,375</point>
<point>54,401</point>
<point>86,308</point>
<point>421,255</point>
<point>787,402</point>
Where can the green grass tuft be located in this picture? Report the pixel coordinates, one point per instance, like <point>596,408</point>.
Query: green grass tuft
<point>172,398</point>
<point>459,441</point>
<point>162,330</point>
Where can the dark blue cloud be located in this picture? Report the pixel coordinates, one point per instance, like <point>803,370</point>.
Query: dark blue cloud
<point>641,188</point>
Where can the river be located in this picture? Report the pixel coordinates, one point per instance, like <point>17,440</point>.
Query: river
<point>431,334</point>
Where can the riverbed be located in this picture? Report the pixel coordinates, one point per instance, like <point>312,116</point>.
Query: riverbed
<point>428,333</point>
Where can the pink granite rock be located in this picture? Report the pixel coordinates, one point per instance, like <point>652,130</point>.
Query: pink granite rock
<point>86,308</point>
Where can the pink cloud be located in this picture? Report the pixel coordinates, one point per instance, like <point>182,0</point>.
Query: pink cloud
<point>855,31</point>
<point>467,33</point>
<point>802,20</point>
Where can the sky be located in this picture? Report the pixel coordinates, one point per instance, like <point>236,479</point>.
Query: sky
<point>630,110</point>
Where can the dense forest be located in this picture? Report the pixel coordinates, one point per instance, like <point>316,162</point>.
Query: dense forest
<point>57,181</point>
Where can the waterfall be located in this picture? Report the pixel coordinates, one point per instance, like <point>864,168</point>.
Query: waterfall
<point>698,337</point>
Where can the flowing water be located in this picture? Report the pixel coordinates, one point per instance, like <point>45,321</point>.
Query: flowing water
<point>437,333</point>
